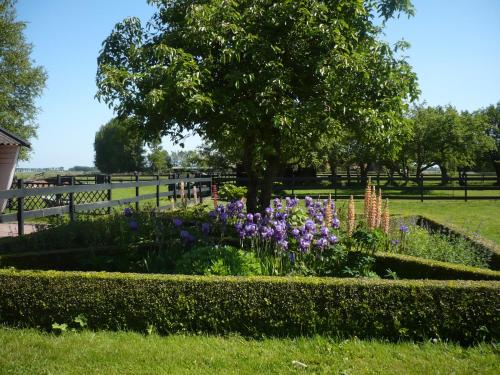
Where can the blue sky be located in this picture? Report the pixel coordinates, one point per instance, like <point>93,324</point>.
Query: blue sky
<point>455,51</point>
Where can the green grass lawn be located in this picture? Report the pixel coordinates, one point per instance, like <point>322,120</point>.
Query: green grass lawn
<point>32,352</point>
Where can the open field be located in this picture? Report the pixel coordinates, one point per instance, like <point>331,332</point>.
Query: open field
<point>29,351</point>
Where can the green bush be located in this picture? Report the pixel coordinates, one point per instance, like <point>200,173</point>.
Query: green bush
<point>409,267</point>
<point>218,260</point>
<point>230,192</point>
<point>259,306</point>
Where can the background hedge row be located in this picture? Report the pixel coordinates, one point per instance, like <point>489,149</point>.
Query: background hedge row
<point>409,267</point>
<point>464,311</point>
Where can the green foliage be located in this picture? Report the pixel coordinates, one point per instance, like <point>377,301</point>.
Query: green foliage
<point>117,148</point>
<point>257,306</point>
<point>446,137</point>
<point>409,267</point>
<point>21,82</point>
<point>259,80</point>
<point>159,160</point>
<point>218,260</point>
<point>455,249</point>
<point>230,192</point>
<point>491,115</point>
<point>77,324</point>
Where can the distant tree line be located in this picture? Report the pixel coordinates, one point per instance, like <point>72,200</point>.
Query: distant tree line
<point>120,149</point>
<point>431,137</point>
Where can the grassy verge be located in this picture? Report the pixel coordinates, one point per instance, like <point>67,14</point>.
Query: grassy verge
<point>29,351</point>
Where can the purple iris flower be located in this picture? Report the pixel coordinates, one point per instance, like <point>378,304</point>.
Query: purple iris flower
<point>310,226</point>
<point>395,242</point>
<point>403,228</point>
<point>177,222</point>
<point>205,229</point>
<point>186,236</point>
<point>127,212</point>
<point>223,217</point>
<point>292,257</point>
<point>304,245</point>
<point>213,214</point>
<point>250,230</point>
<point>321,243</point>
<point>269,211</point>
<point>283,244</point>
<point>319,217</point>
<point>133,225</point>
<point>333,239</point>
<point>336,223</point>
<point>324,231</point>
<point>257,217</point>
<point>309,201</point>
<point>277,203</point>
<point>250,218</point>
<point>295,233</point>
<point>308,236</point>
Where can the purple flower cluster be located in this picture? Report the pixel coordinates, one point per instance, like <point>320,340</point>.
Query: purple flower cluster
<point>127,212</point>
<point>232,210</point>
<point>274,226</point>
<point>187,237</point>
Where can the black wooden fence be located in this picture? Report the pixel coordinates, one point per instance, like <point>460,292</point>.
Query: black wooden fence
<point>397,187</point>
<point>63,199</point>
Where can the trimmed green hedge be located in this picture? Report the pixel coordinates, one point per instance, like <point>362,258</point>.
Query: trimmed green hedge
<point>465,311</point>
<point>409,267</point>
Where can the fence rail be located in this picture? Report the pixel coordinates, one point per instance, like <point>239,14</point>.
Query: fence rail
<point>65,202</point>
<point>409,187</point>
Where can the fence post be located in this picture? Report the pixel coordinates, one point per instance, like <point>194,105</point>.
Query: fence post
<point>58,183</point>
<point>421,183</point>
<point>334,180</point>
<point>188,189</point>
<point>158,191</point>
<point>108,180</point>
<point>20,209</point>
<point>465,186</point>
<point>200,191</point>
<point>72,201</point>
<point>137,191</point>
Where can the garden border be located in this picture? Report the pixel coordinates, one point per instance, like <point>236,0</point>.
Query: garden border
<point>464,311</point>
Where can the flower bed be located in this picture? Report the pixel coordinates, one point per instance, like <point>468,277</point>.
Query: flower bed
<point>288,238</point>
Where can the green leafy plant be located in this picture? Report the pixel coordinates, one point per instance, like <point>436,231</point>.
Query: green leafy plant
<point>219,260</point>
<point>230,192</point>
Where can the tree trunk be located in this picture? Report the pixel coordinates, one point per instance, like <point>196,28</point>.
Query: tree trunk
<point>253,178</point>
<point>363,169</point>
<point>444,174</point>
<point>496,165</point>
<point>266,188</point>
<point>333,166</point>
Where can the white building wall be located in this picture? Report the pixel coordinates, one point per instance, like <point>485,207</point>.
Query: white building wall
<point>8,161</point>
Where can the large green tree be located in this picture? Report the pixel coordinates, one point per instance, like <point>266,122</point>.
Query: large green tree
<point>159,161</point>
<point>21,81</point>
<point>260,79</point>
<point>447,138</point>
<point>118,148</point>
<point>492,117</point>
